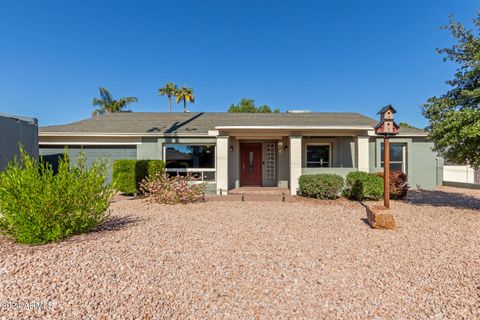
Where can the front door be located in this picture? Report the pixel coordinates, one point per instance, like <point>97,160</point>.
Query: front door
<point>251,164</point>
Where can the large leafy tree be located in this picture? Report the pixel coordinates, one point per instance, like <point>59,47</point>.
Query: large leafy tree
<point>186,95</point>
<point>169,90</point>
<point>454,117</point>
<point>106,103</point>
<point>248,106</point>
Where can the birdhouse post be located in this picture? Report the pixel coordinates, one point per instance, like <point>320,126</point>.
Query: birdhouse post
<point>386,127</point>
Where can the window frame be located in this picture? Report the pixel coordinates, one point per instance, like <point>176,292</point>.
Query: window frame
<point>328,144</point>
<point>404,155</point>
<point>192,170</point>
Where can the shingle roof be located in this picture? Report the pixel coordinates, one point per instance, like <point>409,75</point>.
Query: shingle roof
<point>200,123</point>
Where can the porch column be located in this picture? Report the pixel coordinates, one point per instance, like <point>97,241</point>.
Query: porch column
<point>363,154</point>
<point>295,162</point>
<point>222,164</point>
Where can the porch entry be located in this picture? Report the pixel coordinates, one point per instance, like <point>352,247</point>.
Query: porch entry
<point>251,164</point>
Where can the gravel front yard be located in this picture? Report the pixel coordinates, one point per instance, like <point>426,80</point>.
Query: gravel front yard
<point>304,259</point>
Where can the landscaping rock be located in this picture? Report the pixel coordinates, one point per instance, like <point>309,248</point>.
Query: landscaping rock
<point>308,259</point>
<point>380,217</point>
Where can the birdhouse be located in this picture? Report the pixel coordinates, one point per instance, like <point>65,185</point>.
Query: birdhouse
<point>387,126</point>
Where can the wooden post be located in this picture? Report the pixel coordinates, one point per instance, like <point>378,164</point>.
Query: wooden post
<point>386,171</point>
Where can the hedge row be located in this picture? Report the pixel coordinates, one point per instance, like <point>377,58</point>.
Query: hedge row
<point>363,186</point>
<point>358,186</point>
<point>320,186</point>
<point>127,174</point>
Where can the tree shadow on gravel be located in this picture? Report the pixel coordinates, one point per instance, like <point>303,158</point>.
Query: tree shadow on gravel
<point>117,223</point>
<point>440,198</point>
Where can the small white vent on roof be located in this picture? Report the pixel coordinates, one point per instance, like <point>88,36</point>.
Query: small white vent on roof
<point>298,111</point>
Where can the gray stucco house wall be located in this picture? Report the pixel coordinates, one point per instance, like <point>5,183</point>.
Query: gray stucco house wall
<point>286,142</point>
<point>422,166</point>
<point>16,131</point>
<point>52,154</point>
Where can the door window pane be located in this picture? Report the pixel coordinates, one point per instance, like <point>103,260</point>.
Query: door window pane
<point>250,161</point>
<point>318,156</point>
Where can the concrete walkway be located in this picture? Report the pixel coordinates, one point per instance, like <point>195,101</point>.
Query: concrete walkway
<point>255,194</point>
<point>259,191</point>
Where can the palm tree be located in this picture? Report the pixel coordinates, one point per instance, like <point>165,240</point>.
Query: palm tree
<point>169,90</point>
<point>186,95</point>
<point>107,104</point>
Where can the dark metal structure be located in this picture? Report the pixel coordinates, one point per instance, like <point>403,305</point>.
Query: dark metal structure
<point>16,131</point>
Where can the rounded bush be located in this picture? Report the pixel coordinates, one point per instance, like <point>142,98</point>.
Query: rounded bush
<point>363,186</point>
<point>321,186</point>
<point>398,184</point>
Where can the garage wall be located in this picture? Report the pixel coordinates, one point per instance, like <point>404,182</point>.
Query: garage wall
<point>111,153</point>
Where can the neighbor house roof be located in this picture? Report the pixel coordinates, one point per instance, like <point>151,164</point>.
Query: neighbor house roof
<point>200,123</point>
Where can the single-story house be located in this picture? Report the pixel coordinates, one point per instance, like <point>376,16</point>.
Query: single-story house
<point>229,150</point>
<point>16,131</point>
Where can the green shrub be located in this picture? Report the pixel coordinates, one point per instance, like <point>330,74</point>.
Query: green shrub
<point>363,186</point>
<point>162,188</point>
<point>127,174</point>
<point>39,206</point>
<point>321,186</point>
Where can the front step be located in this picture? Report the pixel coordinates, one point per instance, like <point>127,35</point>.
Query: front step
<point>252,197</point>
<point>259,191</point>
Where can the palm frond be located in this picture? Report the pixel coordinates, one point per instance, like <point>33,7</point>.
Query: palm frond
<point>108,104</point>
<point>169,90</point>
<point>106,95</point>
<point>98,102</point>
<point>130,99</point>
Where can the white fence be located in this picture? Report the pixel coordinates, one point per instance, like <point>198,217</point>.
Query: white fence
<point>463,174</point>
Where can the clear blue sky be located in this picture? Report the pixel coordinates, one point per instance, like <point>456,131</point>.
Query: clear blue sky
<point>318,55</point>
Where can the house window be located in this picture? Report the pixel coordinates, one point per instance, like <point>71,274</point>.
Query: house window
<point>190,159</point>
<point>397,156</point>
<point>318,155</point>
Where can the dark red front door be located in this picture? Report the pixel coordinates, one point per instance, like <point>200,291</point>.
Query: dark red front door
<point>251,164</point>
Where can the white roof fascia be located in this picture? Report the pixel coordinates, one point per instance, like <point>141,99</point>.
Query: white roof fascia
<point>287,127</point>
<point>100,134</point>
